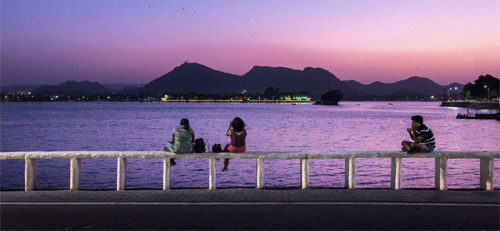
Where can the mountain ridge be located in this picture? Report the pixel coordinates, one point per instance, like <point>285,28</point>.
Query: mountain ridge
<point>201,79</point>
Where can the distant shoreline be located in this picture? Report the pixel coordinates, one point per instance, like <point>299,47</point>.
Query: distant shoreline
<point>212,101</point>
<point>475,105</point>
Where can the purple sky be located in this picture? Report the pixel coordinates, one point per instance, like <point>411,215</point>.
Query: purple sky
<point>52,41</point>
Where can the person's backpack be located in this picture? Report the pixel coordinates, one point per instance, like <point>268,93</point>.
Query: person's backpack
<point>199,145</point>
<point>216,148</point>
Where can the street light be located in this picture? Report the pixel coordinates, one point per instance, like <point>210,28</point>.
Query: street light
<point>458,92</point>
<point>488,92</point>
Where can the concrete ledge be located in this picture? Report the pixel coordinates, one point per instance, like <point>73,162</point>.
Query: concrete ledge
<point>441,166</point>
<point>247,155</point>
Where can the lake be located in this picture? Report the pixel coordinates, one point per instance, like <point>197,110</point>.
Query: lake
<point>134,126</point>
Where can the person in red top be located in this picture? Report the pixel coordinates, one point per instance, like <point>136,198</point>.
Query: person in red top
<point>238,135</point>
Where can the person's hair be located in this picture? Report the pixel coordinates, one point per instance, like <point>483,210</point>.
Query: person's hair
<point>238,124</point>
<point>417,118</point>
<point>185,122</point>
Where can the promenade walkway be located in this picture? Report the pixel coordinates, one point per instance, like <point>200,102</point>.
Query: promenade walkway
<point>251,195</point>
<point>251,209</point>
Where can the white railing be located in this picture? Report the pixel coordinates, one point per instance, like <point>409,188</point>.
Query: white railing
<point>441,164</point>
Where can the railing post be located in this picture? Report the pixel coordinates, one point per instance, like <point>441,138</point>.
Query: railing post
<point>260,173</point>
<point>75,173</point>
<point>121,172</point>
<point>486,173</point>
<point>304,173</point>
<point>212,179</point>
<point>29,174</point>
<point>166,173</point>
<point>441,173</point>
<point>349,173</point>
<point>396,163</point>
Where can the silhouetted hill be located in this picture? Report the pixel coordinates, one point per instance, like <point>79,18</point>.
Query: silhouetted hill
<point>123,86</point>
<point>313,80</point>
<point>74,86</point>
<point>416,84</point>
<point>20,87</point>
<point>193,77</point>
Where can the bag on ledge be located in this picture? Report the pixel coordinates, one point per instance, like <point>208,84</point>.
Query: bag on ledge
<point>216,148</point>
<point>199,145</point>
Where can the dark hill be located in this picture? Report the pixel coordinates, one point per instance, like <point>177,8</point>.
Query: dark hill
<point>74,86</point>
<point>313,80</point>
<point>415,84</point>
<point>193,77</point>
<point>19,87</point>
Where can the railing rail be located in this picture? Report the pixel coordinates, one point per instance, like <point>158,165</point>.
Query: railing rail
<point>441,164</point>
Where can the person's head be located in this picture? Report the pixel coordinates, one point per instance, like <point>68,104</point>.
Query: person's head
<point>417,121</point>
<point>185,123</point>
<point>238,124</point>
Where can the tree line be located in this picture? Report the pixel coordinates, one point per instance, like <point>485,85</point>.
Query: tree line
<point>482,86</point>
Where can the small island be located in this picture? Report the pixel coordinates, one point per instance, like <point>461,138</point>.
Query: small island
<point>331,98</point>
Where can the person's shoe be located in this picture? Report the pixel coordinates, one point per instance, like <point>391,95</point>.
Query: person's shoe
<point>410,151</point>
<point>172,162</point>
<point>404,149</point>
<point>225,169</point>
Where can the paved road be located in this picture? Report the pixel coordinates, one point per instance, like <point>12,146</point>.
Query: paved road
<point>251,209</point>
<point>250,216</point>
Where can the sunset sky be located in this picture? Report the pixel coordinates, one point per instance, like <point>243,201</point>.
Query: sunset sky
<point>52,41</point>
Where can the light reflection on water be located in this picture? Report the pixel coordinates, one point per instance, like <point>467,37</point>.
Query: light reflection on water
<point>360,126</point>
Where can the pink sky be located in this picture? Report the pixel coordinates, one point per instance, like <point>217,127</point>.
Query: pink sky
<point>52,41</point>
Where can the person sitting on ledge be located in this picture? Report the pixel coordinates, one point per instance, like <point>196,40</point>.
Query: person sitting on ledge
<point>238,135</point>
<point>421,135</point>
<point>182,140</point>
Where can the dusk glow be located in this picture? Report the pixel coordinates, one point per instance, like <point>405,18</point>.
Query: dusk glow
<point>52,41</point>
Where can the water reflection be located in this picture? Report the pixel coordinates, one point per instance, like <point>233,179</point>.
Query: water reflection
<point>368,126</point>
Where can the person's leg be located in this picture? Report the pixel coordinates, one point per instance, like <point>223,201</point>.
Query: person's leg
<point>226,160</point>
<point>226,148</point>
<point>414,147</point>
<point>168,148</point>
<point>406,145</point>
<point>426,149</point>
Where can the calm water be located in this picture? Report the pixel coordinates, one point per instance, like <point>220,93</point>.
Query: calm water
<point>356,126</point>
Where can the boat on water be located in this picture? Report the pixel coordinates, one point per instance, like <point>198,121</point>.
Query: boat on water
<point>479,116</point>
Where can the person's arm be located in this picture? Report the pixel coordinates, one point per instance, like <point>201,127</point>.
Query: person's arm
<point>173,139</point>
<point>228,132</point>
<point>414,136</point>
<point>419,139</point>
<point>410,133</point>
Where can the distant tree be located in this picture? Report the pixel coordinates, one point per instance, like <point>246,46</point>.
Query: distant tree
<point>477,89</point>
<point>468,95</point>
<point>332,96</point>
<point>271,93</point>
